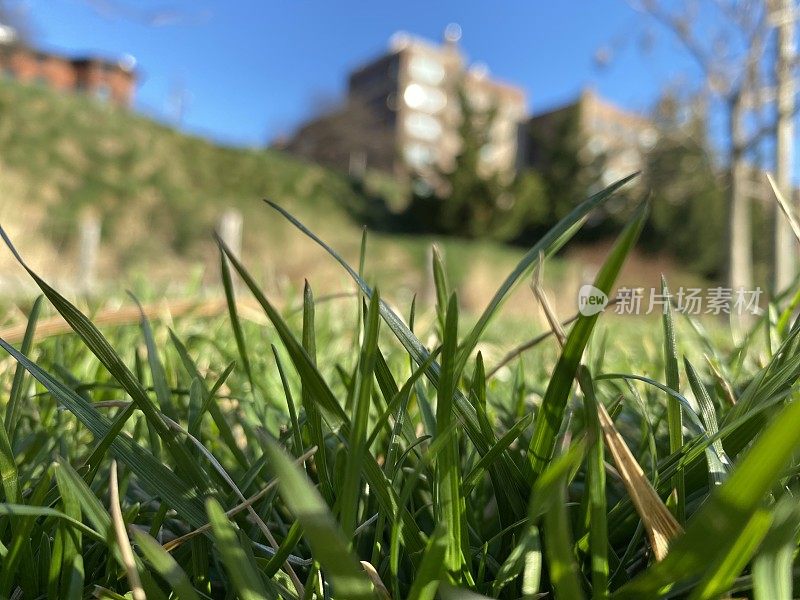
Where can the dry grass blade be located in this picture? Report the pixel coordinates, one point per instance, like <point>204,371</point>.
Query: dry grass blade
<point>375,578</point>
<point>121,534</point>
<point>785,207</point>
<point>125,315</point>
<point>535,341</point>
<point>660,525</point>
<point>538,290</point>
<point>727,389</point>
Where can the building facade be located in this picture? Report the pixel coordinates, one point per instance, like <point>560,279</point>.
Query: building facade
<point>614,140</point>
<point>410,99</point>
<point>111,81</point>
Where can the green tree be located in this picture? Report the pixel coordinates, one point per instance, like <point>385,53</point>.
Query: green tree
<point>689,213</point>
<point>568,172</point>
<point>470,206</point>
<point>474,202</point>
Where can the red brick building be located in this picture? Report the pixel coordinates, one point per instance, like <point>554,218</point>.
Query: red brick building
<point>112,81</point>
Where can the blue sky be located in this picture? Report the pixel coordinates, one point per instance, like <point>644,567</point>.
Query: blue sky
<point>254,69</point>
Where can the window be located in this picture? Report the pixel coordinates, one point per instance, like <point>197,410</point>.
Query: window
<point>419,155</point>
<point>504,129</point>
<point>424,98</point>
<point>426,70</point>
<point>648,138</point>
<point>629,160</point>
<point>596,145</point>
<point>422,126</point>
<point>480,100</point>
<point>103,92</point>
<point>487,153</point>
<point>609,176</point>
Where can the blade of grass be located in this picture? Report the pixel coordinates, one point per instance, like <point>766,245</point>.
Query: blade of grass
<point>448,476</point>
<point>439,284</point>
<point>718,463</point>
<point>329,545</point>
<point>787,209</point>
<point>564,573</point>
<point>431,567</point>
<point>8,469</point>
<point>525,557</point>
<point>296,433</point>
<point>160,385</point>
<point>166,566</point>
<point>596,484</point>
<point>351,487</point>
<point>14,397</point>
<point>660,525</point>
<point>239,565</point>
<point>25,510</point>
<point>550,417</point>
<point>674,411</point>
<point>236,325</point>
<point>307,395</point>
<point>772,565</point>
<point>546,495</point>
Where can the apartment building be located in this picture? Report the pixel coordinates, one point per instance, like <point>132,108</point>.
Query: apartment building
<point>403,111</point>
<point>614,139</point>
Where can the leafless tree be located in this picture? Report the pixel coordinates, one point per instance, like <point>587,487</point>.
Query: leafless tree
<point>737,77</point>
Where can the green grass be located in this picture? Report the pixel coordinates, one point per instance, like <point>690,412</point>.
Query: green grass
<point>70,153</point>
<point>445,483</point>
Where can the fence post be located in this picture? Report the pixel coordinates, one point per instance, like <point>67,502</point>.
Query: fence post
<point>89,234</point>
<point>230,231</point>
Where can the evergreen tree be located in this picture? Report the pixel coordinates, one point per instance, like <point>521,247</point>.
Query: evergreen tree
<point>470,207</point>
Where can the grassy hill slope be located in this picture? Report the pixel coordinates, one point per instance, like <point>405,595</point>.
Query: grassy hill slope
<point>159,194</point>
<point>157,191</point>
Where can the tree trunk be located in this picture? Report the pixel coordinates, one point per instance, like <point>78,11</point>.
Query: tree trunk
<point>740,270</point>
<point>785,244</point>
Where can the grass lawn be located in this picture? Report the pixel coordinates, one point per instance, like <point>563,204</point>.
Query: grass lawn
<point>354,449</point>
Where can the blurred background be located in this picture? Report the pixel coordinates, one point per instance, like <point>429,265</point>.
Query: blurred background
<point>130,131</point>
